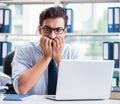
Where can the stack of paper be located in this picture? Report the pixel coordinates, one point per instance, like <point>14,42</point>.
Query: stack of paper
<point>2,91</point>
<point>115,95</point>
<point>4,79</point>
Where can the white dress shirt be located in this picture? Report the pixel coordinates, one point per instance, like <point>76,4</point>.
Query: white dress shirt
<point>27,55</point>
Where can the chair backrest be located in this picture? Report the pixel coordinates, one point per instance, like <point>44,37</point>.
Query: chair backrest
<point>7,69</point>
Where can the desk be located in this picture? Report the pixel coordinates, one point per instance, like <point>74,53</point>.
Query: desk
<point>40,99</point>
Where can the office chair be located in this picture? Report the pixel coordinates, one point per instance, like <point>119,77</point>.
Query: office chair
<point>7,69</point>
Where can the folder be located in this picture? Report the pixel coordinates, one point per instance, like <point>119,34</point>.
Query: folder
<point>7,21</point>
<point>107,50</point>
<point>1,20</point>
<point>117,19</point>
<point>17,97</point>
<point>5,48</point>
<point>116,54</point>
<point>110,19</point>
<point>69,12</point>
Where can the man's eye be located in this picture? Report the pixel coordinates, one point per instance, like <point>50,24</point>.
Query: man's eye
<point>47,29</point>
<point>59,29</point>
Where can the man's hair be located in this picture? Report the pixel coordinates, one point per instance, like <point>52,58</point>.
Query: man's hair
<point>53,12</point>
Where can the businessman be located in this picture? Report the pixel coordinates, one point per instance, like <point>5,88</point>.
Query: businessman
<point>34,67</point>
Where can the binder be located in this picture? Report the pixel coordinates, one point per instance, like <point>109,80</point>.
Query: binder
<point>5,20</point>
<point>107,50</point>
<point>69,12</point>
<point>115,79</point>
<point>116,54</point>
<point>1,20</point>
<point>17,97</point>
<point>5,48</point>
<point>117,19</point>
<point>110,19</point>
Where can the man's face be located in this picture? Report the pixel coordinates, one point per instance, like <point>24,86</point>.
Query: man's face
<point>53,28</point>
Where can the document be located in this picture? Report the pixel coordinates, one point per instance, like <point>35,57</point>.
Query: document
<point>4,79</point>
<point>17,97</point>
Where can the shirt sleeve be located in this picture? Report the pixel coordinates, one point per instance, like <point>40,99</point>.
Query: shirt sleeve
<point>19,64</point>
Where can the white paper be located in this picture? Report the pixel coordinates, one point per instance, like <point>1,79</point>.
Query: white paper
<point>4,50</point>
<point>105,51</point>
<point>116,50</point>
<point>5,78</point>
<point>7,13</point>
<point>1,16</point>
<point>117,16</point>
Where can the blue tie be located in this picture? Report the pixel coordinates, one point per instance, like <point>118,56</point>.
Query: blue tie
<point>52,77</point>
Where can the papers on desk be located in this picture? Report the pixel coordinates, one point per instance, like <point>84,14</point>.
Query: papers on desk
<point>17,97</point>
<point>115,94</point>
<point>3,87</point>
<point>4,79</point>
<point>2,90</point>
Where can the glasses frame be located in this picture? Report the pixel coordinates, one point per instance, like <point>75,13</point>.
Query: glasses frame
<point>53,29</point>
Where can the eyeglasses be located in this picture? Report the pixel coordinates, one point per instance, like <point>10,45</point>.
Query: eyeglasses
<point>48,30</point>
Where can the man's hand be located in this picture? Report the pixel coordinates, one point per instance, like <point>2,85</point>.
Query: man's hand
<point>58,45</point>
<point>46,45</point>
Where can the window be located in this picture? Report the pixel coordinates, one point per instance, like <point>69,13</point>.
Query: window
<point>90,17</point>
<point>18,29</point>
<point>18,9</point>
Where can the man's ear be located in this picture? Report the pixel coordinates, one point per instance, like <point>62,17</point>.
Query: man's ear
<point>40,30</point>
<point>65,32</point>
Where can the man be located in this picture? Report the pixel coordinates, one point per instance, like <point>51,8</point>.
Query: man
<point>31,61</point>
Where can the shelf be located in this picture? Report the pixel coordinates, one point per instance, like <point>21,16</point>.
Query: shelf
<point>93,34</point>
<point>54,1</point>
<point>88,1</point>
<point>9,34</point>
<point>28,1</point>
<point>68,34</point>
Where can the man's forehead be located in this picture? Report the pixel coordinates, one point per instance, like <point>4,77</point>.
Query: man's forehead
<point>54,22</point>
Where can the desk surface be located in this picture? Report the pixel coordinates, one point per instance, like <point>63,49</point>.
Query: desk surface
<point>40,99</point>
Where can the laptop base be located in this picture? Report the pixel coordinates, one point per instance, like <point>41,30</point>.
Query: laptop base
<point>53,97</point>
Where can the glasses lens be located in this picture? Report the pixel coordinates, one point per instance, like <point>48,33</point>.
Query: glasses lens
<point>47,29</point>
<point>59,30</point>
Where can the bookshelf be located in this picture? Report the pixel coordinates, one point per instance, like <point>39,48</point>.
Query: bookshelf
<point>12,37</point>
<point>7,35</point>
<point>55,1</point>
<point>68,34</point>
<point>63,2</point>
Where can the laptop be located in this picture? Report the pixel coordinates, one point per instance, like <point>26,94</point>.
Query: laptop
<point>84,80</point>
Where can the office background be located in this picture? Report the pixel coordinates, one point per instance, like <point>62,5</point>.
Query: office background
<point>89,25</point>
